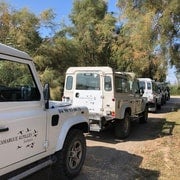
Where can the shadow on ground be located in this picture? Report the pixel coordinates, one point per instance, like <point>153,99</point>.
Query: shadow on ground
<point>154,128</point>
<point>106,163</point>
<point>172,105</point>
<point>112,164</point>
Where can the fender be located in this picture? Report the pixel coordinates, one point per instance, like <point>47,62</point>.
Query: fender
<point>144,103</point>
<point>68,124</point>
<point>123,108</point>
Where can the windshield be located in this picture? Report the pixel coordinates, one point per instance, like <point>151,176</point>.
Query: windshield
<point>142,84</point>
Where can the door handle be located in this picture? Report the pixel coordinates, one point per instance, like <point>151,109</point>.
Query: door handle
<point>77,95</point>
<point>3,129</point>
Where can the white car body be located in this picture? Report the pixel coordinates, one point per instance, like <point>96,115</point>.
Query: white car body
<point>29,131</point>
<point>151,93</point>
<point>107,94</point>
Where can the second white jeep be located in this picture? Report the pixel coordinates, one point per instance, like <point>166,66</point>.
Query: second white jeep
<point>113,98</point>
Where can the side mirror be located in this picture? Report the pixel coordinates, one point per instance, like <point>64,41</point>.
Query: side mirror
<point>46,93</point>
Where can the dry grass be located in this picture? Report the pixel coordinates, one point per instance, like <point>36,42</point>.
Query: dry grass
<point>163,154</point>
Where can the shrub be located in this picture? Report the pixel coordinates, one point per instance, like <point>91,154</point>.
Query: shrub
<point>175,90</point>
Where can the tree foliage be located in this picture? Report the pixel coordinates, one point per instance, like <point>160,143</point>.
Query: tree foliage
<point>19,29</point>
<point>92,30</point>
<point>152,27</point>
<point>146,40</point>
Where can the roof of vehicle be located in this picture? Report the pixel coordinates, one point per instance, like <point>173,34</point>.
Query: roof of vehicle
<point>90,68</point>
<point>145,79</point>
<point>104,69</point>
<point>10,51</point>
<point>132,75</point>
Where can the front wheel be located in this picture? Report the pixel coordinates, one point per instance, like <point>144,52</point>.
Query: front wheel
<point>144,115</point>
<point>71,158</point>
<point>122,127</point>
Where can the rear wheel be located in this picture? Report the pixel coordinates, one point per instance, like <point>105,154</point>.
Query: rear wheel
<point>71,158</point>
<point>155,107</point>
<point>122,127</point>
<point>158,106</point>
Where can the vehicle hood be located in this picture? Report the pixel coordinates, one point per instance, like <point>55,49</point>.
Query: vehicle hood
<point>55,104</point>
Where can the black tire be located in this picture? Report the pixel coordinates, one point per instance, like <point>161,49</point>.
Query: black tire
<point>164,100</point>
<point>71,158</point>
<point>123,126</point>
<point>159,106</point>
<point>155,107</point>
<point>144,116</point>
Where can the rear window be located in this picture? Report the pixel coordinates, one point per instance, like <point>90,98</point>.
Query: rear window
<point>88,81</point>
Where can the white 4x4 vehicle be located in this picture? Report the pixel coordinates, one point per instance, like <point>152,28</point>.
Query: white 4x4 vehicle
<point>113,98</point>
<point>152,93</point>
<point>36,132</point>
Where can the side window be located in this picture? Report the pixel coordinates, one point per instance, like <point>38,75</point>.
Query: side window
<point>135,86</point>
<point>107,83</point>
<point>69,83</point>
<point>154,87</point>
<point>17,82</point>
<point>149,86</point>
<point>122,85</point>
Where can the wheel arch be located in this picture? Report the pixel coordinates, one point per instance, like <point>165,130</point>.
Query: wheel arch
<point>123,110</point>
<point>67,127</point>
<point>127,110</point>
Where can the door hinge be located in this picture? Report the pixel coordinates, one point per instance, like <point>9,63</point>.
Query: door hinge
<point>46,144</point>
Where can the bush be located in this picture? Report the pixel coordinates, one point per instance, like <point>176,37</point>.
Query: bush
<point>175,90</point>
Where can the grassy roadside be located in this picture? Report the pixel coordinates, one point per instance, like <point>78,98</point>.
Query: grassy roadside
<point>163,155</point>
<point>175,90</point>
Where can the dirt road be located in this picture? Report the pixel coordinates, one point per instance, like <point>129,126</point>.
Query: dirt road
<point>109,158</point>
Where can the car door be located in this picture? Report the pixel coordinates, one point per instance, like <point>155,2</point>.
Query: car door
<point>137,97</point>
<point>22,118</point>
<point>88,91</point>
<point>123,94</point>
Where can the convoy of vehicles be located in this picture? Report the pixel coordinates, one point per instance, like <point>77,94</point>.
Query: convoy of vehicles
<point>36,132</point>
<point>113,98</point>
<point>155,92</point>
<point>164,90</point>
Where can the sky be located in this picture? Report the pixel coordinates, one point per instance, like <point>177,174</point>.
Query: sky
<point>62,8</point>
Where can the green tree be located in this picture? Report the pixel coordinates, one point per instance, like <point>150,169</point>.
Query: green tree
<point>93,31</point>
<point>150,27</point>
<point>5,19</point>
<point>52,59</point>
<point>24,31</point>
<point>19,28</point>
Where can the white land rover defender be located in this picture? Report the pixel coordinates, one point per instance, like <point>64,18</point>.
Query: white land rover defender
<point>113,98</point>
<point>152,93</point>
<point>36,132</point>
